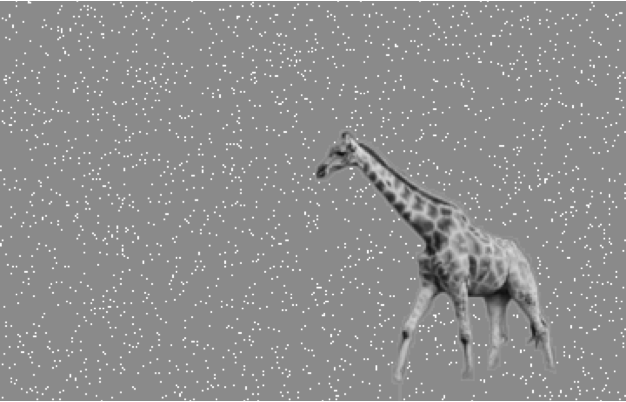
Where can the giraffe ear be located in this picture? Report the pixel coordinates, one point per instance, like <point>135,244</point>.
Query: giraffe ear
<point>345,134</point>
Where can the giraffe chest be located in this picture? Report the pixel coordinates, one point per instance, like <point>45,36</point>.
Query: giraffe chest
<point>489,282</point>
<point>484,274</point>
<point>487,273</point>
<point>447,270</point>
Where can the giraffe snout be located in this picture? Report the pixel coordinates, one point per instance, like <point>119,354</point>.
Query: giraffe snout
<point>321,171</point>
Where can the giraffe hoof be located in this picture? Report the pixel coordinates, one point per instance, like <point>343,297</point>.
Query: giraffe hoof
<point>494,362</point>
<point>397,378</point>
<point>550,367</point>
<point>467,375</point>
<point>494,358</point>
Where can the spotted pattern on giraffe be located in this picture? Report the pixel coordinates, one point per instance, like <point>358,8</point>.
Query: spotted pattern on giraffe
<point>460,244</point>
<point>426,273</point>
<point>422,226</point>
<point>489,280</point>
<point>439,240</point>
<point>399,207</point>
<point>485,263</point>
<point>472,267</point>
<point>446,257</point>
<point>445,224</point>
<point>483,268</point>
<point>418,203</point>
<point>461,218</point>
<point>432,211</point>
<point>500,267</point>
<point>443,275</point>
<point>406,193</point>
<point>497,251</point>
<point>474,244</point>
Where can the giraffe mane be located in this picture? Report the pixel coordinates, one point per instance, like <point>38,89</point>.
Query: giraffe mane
<point>402,178</point>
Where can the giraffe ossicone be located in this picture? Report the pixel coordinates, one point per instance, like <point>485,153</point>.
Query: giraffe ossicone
<point>459,259</point>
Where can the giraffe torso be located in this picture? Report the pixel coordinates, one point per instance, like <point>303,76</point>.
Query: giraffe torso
<point>471,255</point>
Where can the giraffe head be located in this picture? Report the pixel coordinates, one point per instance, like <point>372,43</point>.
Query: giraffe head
<point>342,154</point>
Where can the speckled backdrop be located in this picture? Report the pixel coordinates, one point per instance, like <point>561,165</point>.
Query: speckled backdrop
<point>163,235</point>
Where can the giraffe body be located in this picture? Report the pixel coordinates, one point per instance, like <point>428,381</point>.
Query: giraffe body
<point>459,259</point>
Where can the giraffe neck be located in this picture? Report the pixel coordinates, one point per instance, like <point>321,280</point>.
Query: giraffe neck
<point>417,207</point>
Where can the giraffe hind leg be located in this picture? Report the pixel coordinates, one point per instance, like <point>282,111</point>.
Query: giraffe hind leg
<point>541,334</point>
<point>523,290</point>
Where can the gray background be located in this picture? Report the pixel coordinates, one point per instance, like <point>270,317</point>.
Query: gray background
<point>163,235</point>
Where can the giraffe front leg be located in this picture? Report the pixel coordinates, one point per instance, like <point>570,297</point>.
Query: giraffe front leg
<point>423,301</point>
<point>459,295</point>
<point>496,311</point>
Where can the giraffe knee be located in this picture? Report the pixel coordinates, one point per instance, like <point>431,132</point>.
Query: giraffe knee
<point>405,334</point>
<point>538,333</point>
<point>540,336</point>
<point>526,297</point>
<point>538,329</point>
<point>465,337</point>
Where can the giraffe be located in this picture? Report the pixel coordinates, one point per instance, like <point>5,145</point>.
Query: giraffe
<point>458,259</point>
